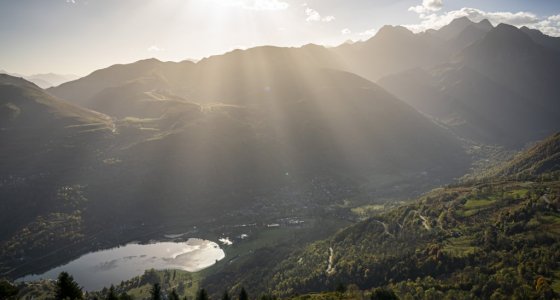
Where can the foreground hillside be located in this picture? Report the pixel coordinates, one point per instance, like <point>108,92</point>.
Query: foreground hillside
<point>497,237</point>
<point>498,240</point>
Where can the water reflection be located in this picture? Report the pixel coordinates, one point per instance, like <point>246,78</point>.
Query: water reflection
<point>102,268</point>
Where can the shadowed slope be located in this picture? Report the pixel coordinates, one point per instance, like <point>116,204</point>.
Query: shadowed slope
<point>392,50</point>
<point>31,120</point>
<point>47,144</point>
<point>499,90</point>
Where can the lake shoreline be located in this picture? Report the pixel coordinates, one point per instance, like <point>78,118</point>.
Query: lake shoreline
<point>101,268</point>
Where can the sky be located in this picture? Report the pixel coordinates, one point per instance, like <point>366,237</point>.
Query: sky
<point>80,36</point>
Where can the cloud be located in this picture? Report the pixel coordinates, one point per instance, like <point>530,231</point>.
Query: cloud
<point>550,25</point>
<point>258,4</point>
<point>358,36</point>
<point>328,19</point>
<point>312,15</point>
<point>435,21</point>
<point>155,48</point>
<point>427,6</point>
<point>368,33</point>
<point>431,18</point>
<point>315,16</point>
<point>71,1</point>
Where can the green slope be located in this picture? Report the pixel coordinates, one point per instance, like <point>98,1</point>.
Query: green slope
<point>542,158</point>
<point>494,238</point>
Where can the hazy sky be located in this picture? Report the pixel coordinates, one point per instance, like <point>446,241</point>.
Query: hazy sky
<point>79,36</point>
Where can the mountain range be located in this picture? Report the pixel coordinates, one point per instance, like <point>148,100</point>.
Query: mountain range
<point>467,94</point>
<point>461,76</point>
<point>45,80</point>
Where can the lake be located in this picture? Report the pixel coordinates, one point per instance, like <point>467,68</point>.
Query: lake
<point>102,268</point>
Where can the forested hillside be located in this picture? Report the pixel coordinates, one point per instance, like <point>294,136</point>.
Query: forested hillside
<point>496,237</point>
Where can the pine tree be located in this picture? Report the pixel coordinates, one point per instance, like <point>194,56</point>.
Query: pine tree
<point>383,294</point>
<point>226,296</point>
<point>67,288</point>
<point>112,295</point>
<point>155,292</point>
<point>173,295</point>
<point>202,295</point>
<point>243,294</point>
<point>7,289</point>
<point>340,288</point>
<point>125,296</point>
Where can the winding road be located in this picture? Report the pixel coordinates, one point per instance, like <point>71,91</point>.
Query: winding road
<point>385,227</point>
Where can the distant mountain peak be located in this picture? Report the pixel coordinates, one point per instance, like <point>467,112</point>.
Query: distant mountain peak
<point>397,28</point>
<point>508,35</point>
<point>151,59</point>
<point>485,24</point>
<point>311,46</point>
<point>465,21</point>
<point>506,27</point>
<point>6,78</point>
<point>504,43</point>
<point>542,39</point>
<point>148,61</point>
<point>471,33</point>
<point>391,32</point>
<point>454,28</point>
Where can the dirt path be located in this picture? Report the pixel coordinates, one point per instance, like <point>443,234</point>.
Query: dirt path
<point>330,268</point>
<point>425,222</point>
